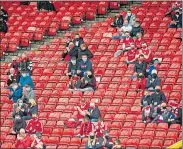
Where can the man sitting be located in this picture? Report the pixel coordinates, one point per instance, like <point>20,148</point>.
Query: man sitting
<point>84,51</point>
<point>130,17</point>
<point>136,29</point>
<point>118,21</point>
<point>93,112</point>
<point>176,20</point>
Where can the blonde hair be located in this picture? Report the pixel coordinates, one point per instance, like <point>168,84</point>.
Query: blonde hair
<point>33,102</point>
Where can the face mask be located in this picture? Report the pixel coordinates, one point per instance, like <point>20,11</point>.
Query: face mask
<point>154,75</point>
<point>91,137</point>
<point>92,107</point>
<point>129,13</point>
<point>164,107</point>
<point>84,59</point>
<point>107,137</point>
<point>157,90</point>
<point>73,62</point>
<point>20,104</point>
<point>24,75</point>
<point>28,89</point>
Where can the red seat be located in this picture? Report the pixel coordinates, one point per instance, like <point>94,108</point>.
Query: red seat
<point>144,143</point>
<point>126,133</point>
<point>156,144</point>
<point>162,126</point>
<point>132,143</point>
<point>160,135</point>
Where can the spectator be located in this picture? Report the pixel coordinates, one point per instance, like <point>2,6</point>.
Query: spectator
<point>146,52</point>
<point>126,44</point>
<point>158,97</point>
<point>130,17</point>
<point>99,128</point>
<point>14,64</point>
<point>4,14</point>
<point>84,51</point>
<point>32,108</point>
<point>147,114</point>
<point>117,144</point>
<point>86,83</point>
<point>151,69</point>
<point>165,113</point>
<point>138,40</point>
<point>175,6</point>
<point>18,123</point>
<point>68,47</point>
<point>118,21</point>
<point>28,93</point>
<point>12,77</point>
<point>3,26</point>
<point>131,54</point>
<point>146,99</point>
<point>93,112</point>
<point>34,125</point>
<point>158,118</point>
<point>23,140</point>
<point>26,79</point>
<point>125,28</point>
<point>107,143</point>
<point>25,64</point>
<point>91,143</point>
<point>73,50</point>
<point>140,66</point>
<point>15,92</point>
<point>136,29</point>
<point>72,68</point>
<point>153,81</point>
<point>84,65</point>
<point>78,41</point>
<point>19,109</point>
<point>46,5</point>
<point>140,83</point>
<point>38,142</point>
<point>177,112</point>
<point>81,110</point>
<point>176,20</point>
<point>86,128</point>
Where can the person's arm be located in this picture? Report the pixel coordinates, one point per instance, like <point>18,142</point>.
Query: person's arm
<point>142,100</point>
<point>89,66</point>
<point>40,128</point>
<point>148,83</point>
<point>69,68</point>
<point>33,95</point>
<point>135,67</point>
<point>144,67</point>
<point>163,98</point>
<point>90,55</point>
<point>95,114</point>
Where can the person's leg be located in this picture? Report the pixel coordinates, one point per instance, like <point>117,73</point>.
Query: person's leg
<point>118,53</point>
<point>86,89</point>
<point>116,37</point>
<point>64,54</point>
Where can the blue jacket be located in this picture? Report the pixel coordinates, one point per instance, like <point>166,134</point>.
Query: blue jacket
<point>17,94</point>
<point>85,66</point>
<point>151,68</point>
<point>26,80</point>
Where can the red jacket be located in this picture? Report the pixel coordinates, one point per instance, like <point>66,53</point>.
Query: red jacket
<point>86,128</point>
<point>141,84</point>
<point>99,130</point>
<point>23,144</point>
<point>34,126</point>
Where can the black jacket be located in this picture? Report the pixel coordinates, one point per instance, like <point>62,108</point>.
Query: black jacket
<point>25,65</point>
<point>18,124</point>
<point>140,67</point>
<point>157,98</point>
<point>4,15</point>
<point>91,83</point>
<point>78,42</point>
<point>156,82</point>
<point>84,52</point>
<point>3,27</point>
<point>136,30</point>
<point>177,19</point>
<point>73,52</point>
<point>146,100</point>
<point>72,68</point>
<point>118,21</point>
<point>95,114</point>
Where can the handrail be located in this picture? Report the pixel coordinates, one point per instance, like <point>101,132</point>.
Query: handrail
<point>177,145</point>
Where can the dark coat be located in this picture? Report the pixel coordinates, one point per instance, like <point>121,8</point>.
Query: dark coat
<point>156,82</point>
<point>157,98</point>
<point>78,42</point>
<point>3,27</point>
<point>140,67</point>
<point>84,52</point>
<point>118,22</point>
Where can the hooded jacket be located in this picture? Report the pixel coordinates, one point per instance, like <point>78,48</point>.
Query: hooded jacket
<point>25,143</point>
<point>16,94</point>
<point>26,80</point>
<point>135,30</point>
<point>84,52</point>
<point>85,66</point>
<point>34,126</point>
<point>30,95</point>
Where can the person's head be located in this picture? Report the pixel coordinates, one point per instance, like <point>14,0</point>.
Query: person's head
<point>24,74</point>
<point>177,12</point>
<point>86,118</point>
<point>125,22</point>
<point>129,12</point>
<point>12,70</point>
<point>84,58</point>
<point>14,59</point>
<point>83,46</point>
<point>157,89</point>
<point>38,135</point>
<point>82,102</point>
<point>73,60</point>
<point>24,56</point>
<point>22,132</point>
<point>14,85</point>
<point>34,116</point>
<point>127,34</point>
<point>132,46</point>
<point>71,45</point>
<point>69,39</point>
<point>18,118</point>
<point>140,76</point>
<point>163,106</point>
<point>27,87</point>
<point>117,15</point>
<point>92,105</point>
<point>77,36</point>
<point>146,92</point>
<point>139,35</point>
<point>136,24</point>
<point>117,142</point>
<point>92,135</point>
<point>144,45</point>
<point>154,73</point>
<point>20,102</point>
<point>141,57</point>
<point>31,102</point>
